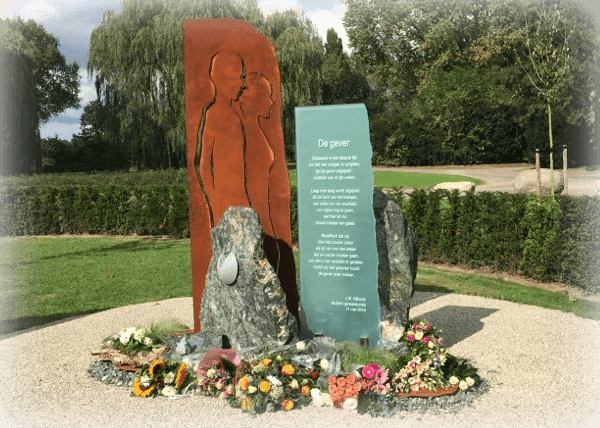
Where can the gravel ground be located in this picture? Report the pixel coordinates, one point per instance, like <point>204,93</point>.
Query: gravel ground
<point>541,365</point>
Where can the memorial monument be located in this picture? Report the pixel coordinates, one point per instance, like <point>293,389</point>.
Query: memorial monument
<point>235,146</point>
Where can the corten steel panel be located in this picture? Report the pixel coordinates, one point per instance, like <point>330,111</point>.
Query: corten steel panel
<point>235,152</point>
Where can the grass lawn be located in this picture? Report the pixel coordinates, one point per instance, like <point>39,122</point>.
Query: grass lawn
<point>44,279</point>
<point>406,180</point>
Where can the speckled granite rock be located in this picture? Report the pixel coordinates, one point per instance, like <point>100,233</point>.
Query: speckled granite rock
<point>250,310</point>
<point>398,256</point>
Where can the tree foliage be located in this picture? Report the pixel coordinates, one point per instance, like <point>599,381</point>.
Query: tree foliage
<point>457,73</point>
<point>56,82</point>
<point>137,59</point>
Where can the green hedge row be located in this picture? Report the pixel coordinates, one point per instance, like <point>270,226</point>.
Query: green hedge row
<point>554,240</point>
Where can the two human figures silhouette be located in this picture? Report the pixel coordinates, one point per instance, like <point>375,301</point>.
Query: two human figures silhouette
<point>233,156</point>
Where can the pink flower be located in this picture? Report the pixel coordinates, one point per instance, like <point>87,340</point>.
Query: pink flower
<point>425,340</point>
<point>411,337</point>
<point>428,326</point>
<point>370,370</point>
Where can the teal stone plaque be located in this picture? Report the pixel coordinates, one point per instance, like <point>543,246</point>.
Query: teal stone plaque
<point>336,224</point>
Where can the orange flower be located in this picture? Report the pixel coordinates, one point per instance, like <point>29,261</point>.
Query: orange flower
<point>265,362</point>
<point>244,383</point>
<point>155,367</point>
<point>287,404</point>
<point>313,374</point>
<point>341,381</point>
<point>357,387</point>
<point>181,374</point>
<point>287,369</point>
<point>332,380</point>
<point>264,386</point>
<point>305,390</point>
<point>351,379</point>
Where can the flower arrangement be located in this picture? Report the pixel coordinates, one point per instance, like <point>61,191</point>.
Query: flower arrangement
<point>162,377</point>
<point>130,341</point>
<point>430,366</point>
<point>272,382</point>
<point>219,380</point>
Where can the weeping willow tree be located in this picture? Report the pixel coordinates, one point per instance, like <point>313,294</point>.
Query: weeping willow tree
<point>137,56</point>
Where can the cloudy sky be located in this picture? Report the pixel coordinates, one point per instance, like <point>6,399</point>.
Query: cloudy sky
<point>72,21</point>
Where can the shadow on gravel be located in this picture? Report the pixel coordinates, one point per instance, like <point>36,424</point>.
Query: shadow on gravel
<point>12,327</point>
<point>457,322</point>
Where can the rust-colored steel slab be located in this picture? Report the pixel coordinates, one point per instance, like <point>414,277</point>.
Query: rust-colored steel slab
<point>235,153</point>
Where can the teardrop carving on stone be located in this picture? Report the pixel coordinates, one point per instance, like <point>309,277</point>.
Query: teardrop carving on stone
<point>227,268</point>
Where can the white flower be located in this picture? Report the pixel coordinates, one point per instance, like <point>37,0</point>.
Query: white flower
<point>145,381</point>
<point>463,385</point>
<point>251,389</point>
<point>277,391</point>
<point>274,380</point>
<point>294,384</point>
<point>315,393</point>
<point>124,338</point>
<point>324,364</point>
<point>350,404</point>
<point>301,346</point>
<point>453,380</point>
<point>147,341</point>
<point>419,335</point>
<point>139,334</point>
<point>211,372</point>
<point>170,377</point>
<point>169,391</point>
<point>470,381</point>
<point>327,399</point>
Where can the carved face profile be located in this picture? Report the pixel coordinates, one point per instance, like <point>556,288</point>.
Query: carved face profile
<point>227,74</point>
<point>256,99</point>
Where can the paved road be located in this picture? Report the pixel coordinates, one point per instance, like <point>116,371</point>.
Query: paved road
<point>499,178</point>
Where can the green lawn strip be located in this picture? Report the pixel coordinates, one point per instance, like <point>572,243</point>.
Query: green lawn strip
<point>407,180</point>
<point>56,278</point>
<point>48,279</point>
<point>439,280</point>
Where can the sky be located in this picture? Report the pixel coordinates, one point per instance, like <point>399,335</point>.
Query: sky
<point>73,21</point>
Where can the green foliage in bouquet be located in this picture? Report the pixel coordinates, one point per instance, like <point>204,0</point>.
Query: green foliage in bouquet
<point>355,354</point>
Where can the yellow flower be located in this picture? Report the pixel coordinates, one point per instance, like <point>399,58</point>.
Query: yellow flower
<point>155,367</point>
<point>244,383</point>
<point>287,404</point>
<point>181,374</point>
<point>139,390</point>
<point>287,369</point>
<point>264,386</point>
<point>265,362</point>
<point>246,404</point>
